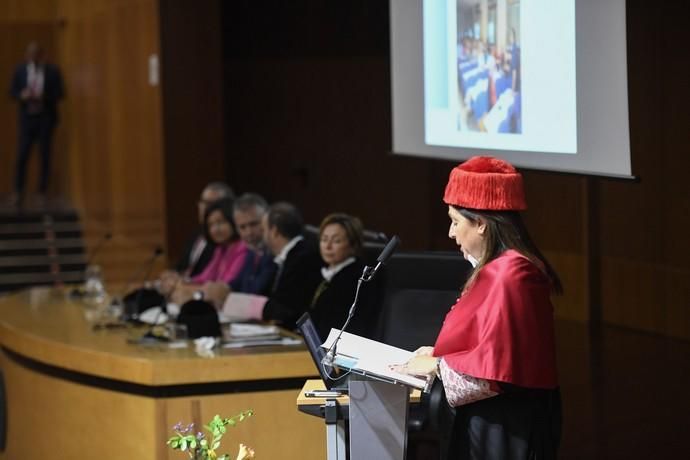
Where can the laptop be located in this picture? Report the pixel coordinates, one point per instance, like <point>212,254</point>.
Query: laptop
<point>333,378</point>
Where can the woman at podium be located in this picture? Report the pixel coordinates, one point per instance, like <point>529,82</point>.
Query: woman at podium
<point>495,354</point>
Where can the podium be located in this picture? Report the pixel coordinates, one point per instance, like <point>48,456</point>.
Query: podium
<point>377,404</point>
<point>378,419</point>
<point>336,414</point>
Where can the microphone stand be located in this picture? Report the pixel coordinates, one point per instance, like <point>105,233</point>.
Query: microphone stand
<point>367,275</point>
<point>329,359</point>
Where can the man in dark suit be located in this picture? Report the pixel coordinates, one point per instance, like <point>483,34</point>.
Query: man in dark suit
<point>299,265</point>
<point>37,87</point>
<point>297,277</point>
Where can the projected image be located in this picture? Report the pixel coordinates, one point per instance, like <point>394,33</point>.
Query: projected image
<point>499,75</point>
<point>488,60</point>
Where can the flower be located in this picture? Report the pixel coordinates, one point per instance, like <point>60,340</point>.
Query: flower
<point>245,453</point>
<point>198,447</point>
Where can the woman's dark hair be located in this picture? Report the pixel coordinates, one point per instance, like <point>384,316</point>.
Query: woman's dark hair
<point>506,230</point>
<point>224,205</point>
<point>353,229</point>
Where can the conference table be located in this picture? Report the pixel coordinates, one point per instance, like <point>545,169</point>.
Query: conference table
<point>72,390</point>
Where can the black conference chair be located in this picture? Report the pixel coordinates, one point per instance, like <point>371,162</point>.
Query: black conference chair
<point>412,318</point>
<point>420,288</point>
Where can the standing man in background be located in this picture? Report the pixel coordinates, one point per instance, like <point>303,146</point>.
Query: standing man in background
<point>37,87</point>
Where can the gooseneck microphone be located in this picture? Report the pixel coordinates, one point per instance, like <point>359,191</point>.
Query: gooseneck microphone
<point>367,275</point>
<point>150,335</point>
<point>79,291</point>
<point>386,254</point>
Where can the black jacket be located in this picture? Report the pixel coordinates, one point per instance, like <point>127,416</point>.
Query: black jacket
<point>203,260</point>
<point>330,308</point>
<point>295,285</point>
<point>53,89</point>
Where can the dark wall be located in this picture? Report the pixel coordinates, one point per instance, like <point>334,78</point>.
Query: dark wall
<point>191,65</point>
<point>308,115</point>
<point>307,119</point>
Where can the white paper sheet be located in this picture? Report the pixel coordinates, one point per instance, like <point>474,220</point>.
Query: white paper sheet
<point>371,357</point>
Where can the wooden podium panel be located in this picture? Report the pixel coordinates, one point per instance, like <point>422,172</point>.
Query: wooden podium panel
<point>75,392</point>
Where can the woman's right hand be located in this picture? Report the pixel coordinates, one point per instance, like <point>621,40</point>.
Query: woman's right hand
<point>424,351</point>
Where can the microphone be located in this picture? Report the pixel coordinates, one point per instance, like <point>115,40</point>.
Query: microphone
<point>79,291</point>
<point>145,268</point>
<point>387,252</point>
<point>150,334</point>
<point>367,275</point>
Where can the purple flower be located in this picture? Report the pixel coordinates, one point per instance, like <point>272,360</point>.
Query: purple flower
<point>178,426</point>
<point>200,436</point>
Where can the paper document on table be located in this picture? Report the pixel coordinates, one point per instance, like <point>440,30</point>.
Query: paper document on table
<point>247,332</point>
<point>253,330</point>
<point>371,357</point>
<point>282,341</point>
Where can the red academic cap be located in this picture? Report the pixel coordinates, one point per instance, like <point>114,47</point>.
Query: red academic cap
<point>485,183</point>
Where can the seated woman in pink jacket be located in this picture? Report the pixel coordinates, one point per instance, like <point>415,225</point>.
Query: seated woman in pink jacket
<point>228,256</point>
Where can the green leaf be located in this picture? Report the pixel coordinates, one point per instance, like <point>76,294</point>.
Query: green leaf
<point>216,445</point>
<point>183,444</point>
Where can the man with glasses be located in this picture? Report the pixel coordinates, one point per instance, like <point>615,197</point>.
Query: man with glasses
<point>259,269</point>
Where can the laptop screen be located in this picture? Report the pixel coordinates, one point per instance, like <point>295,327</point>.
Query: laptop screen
<point>313,342</point>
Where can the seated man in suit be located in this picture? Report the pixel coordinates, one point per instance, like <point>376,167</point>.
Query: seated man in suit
<point>297,277</point>
<point>258,270</point>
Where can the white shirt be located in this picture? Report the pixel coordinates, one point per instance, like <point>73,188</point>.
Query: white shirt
<point>282,255</point>
<point>329,273</point>
<point>34,79</point>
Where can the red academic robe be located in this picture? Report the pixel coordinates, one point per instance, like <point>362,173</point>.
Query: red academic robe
<point>501,328</point>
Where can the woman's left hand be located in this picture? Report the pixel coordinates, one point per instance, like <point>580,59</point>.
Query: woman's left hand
<point>417,365</point>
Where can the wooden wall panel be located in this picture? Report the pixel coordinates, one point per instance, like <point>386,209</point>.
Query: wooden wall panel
<point>108,155</point>
<point>114,127</point>
<point>24,11</point>
<point>644,225</point>
<point>192,110</point>
<point>21,23</point>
